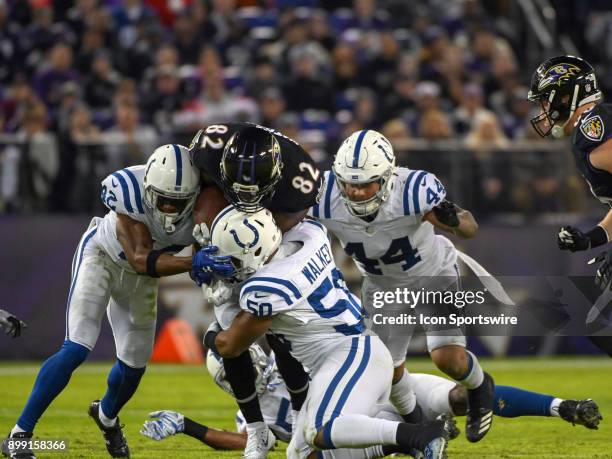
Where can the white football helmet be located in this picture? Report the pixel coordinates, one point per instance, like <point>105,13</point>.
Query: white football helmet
<point>364,157</point>
<point>263,367</point>
<point>249,238</point>
<point>170,178</point>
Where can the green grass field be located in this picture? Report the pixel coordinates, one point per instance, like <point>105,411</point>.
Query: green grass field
<point>191,390</point>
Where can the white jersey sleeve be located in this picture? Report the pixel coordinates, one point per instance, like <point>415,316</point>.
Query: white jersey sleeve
<point>268,296</point>
<point>122,192</point>
<point>422,191</point>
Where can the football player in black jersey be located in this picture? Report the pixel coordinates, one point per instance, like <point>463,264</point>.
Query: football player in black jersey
<point>571,105</point>
<point>257,167</point>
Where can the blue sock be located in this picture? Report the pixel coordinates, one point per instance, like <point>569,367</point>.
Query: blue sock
<point>511,402</point>
<point>122,383</point>
<point>51,380</point>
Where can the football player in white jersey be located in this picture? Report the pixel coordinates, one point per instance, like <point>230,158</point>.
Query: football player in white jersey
<point>384,217</point>
<point>114,271</point>
<point>292,288</point>
<point>255,167</point>
<point>437,397</point>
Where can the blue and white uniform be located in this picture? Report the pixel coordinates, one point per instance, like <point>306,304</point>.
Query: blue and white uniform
<point>276,409</point>
<point>321,322</point>
<point>103,280</point>
<point>397,249</point>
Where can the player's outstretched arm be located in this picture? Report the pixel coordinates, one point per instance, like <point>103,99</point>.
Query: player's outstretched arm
<point>574,240</point>
<point>448,216</point>
<point>243,332</point>
<point>221,439</point>
<point>137,244</point>
<point>164,424</point>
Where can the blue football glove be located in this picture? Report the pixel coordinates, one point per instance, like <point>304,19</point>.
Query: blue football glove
<point>204,264</point>
<point>201,277</point>
<point>163,425</point>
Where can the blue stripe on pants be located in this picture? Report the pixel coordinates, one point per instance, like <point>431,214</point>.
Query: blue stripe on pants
<point>346,392</point>
<point>335,381</point>
<point>75,273</point>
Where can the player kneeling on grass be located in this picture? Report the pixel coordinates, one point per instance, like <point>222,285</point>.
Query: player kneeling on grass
<point>436,396</point>
<point>114,271</point>
<point>320,321</point>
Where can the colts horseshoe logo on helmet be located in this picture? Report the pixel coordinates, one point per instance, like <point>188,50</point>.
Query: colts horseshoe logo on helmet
<point>255,235</point>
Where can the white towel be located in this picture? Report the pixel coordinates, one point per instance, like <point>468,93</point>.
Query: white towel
<point>488,281</point>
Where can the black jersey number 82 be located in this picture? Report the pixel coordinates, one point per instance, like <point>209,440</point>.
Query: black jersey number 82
<point>303,184</point>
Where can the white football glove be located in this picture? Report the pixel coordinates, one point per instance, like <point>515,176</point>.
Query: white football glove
<point>163,425</point>
<point>201,234</point>
<point>217,293</point>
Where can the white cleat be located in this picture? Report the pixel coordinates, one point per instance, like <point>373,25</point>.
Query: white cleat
<point>259,442</point>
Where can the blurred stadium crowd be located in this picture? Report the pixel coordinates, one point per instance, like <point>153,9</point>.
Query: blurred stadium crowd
<point>90,86</point>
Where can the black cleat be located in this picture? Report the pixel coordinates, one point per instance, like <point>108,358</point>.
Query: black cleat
<point>116,444</point>
<point>582,412</point>
<point>430,443</point>
<point>451,425</point>
<point>480,410</point>
<point>15,453</point>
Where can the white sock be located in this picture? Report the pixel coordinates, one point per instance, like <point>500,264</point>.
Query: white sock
<point>253,426</point>
<point>16,430</point>
<point>554,407</point>
<point>475,375</point>
<point>106,421</point>
<point>374,452</point>
<point>294,416</point>
<point>402,395</point>
<point>359,430</point>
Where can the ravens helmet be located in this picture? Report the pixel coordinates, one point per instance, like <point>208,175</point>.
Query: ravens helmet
<point>251,167</point>
<point>560,85</point>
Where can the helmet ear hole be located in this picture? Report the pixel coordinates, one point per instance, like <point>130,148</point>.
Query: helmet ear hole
<point>258,252</point>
